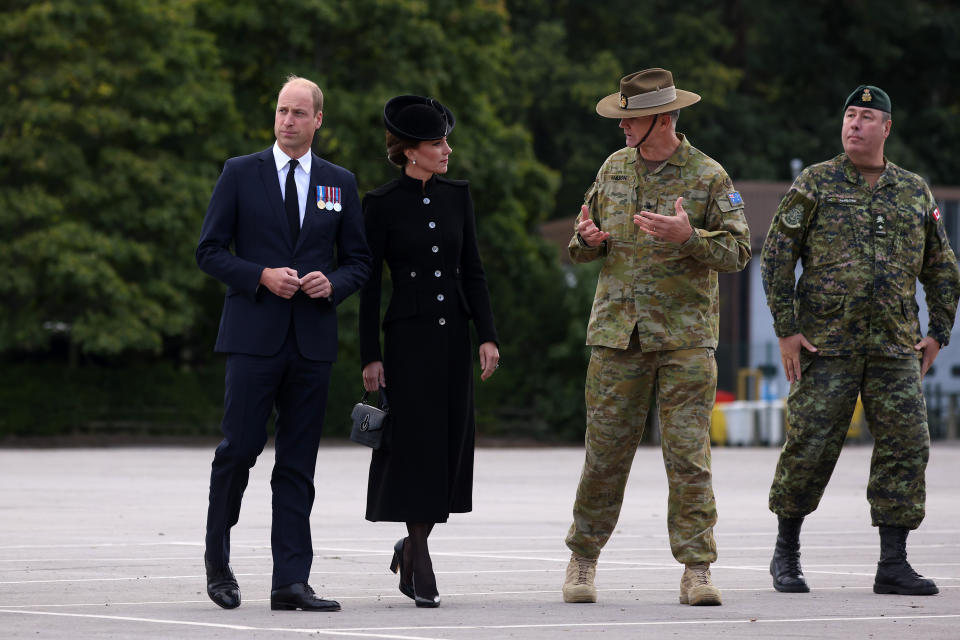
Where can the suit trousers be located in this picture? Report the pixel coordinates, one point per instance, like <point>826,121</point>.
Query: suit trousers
<point>819,409</point>
<point>621,387</point>
<point>255,385</point>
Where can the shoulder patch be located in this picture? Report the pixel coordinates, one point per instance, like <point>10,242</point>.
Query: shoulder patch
<point>728,202</point>
<point>936,214</point>
<point>794,210</point>
<point>793,216</point>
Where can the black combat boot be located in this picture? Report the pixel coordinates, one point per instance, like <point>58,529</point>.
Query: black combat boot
<point>894,573</point>
<point>785,566</point>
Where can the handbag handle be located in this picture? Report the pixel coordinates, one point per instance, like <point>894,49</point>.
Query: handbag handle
<point>383,398</point>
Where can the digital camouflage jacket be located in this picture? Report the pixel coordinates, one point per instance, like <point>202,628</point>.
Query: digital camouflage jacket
<point>862,251</point>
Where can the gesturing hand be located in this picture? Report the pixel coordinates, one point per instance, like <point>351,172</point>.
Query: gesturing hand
<point>675,229</point>
<point>588,230</point>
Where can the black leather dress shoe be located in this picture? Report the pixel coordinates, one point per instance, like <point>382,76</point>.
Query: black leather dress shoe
<point>301,596</point>
<point>222,586</point>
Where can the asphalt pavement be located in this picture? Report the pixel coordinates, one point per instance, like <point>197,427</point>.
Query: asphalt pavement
<point>107,543</point>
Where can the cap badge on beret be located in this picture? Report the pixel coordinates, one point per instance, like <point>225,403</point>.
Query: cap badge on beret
<point>868,96</point>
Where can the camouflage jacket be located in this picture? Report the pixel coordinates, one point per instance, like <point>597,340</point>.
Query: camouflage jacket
<point>667,290</point>
<point>862,251</point>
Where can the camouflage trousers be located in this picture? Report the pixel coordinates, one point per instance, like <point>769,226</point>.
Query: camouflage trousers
<point>621,387</point>
<point>819,409</point>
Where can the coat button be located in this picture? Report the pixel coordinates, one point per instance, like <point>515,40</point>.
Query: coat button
<point>436,274</point>
<point>432,225</point>
<point>440,297</point>
<point>443,321</point>
<point>413,274</point>
<point>434,248</point>
<point>426,201</point>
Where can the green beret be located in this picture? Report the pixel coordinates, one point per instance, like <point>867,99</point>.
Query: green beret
<point>869,96</point>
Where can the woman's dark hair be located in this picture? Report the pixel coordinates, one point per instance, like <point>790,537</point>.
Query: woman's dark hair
<point>396,147</point>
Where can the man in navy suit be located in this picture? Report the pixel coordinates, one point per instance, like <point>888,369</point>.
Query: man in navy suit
<point>295,226</point>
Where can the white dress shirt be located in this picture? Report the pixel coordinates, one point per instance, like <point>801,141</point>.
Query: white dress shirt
<point>302,176</point>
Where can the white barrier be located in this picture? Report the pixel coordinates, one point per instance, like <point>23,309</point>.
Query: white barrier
<point>753,422</point>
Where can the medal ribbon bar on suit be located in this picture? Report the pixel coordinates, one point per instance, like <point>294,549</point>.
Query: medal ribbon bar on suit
<point>329,198</point>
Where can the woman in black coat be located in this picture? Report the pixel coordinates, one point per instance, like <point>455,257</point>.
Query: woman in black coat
<point>423,225</point>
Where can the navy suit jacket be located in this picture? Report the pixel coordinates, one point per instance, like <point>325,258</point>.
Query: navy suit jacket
<point>246,211</point>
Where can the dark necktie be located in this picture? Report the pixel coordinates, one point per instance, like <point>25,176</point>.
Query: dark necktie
<point>291,204</point>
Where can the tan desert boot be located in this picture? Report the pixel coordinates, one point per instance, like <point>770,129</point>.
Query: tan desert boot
<point>696,587</point>
<point>578,584</point>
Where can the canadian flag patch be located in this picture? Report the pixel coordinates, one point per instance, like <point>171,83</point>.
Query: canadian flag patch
<point>936,214</point>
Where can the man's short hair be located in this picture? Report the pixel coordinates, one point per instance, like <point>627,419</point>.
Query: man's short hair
<point>309,84</point>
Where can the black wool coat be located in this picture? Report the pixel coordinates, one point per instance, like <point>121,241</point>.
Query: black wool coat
<point>426,233</point>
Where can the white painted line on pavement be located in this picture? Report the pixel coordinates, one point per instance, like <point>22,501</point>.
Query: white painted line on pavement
<point>233,627</point>
<point>552,593</point>
<point>98,545</point>
<point>452,538</point>
<point>382,632</point>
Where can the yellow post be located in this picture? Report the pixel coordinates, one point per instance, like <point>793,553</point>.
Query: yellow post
<point>718,426</point>
<point>742,376</point>
<point>857,423</point>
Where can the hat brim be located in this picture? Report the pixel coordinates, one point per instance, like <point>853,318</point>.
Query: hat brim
<point>609,107</point>
<point>395,105</point>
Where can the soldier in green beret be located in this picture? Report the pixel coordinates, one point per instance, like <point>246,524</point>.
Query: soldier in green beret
<point>865,231</point>
<point>663,218</point>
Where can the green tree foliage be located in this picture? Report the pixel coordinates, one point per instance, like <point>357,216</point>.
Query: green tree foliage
<point>773,76</point>
<point>363,53</point>
<point>801,60</point>
<point>112,115</point>
<point>117,115</point>
<point>570,53</point>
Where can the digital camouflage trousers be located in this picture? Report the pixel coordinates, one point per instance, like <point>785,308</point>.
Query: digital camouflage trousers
<point>819,409</point>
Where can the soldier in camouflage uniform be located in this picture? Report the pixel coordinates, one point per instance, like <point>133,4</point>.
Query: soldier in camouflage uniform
<point>864,230</point>
<point>664,218</point>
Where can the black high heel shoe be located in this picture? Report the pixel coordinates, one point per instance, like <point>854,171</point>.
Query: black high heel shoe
<point>396,565</point>
<point>431,602</point>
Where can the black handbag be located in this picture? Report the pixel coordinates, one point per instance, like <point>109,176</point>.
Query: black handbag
<point>370,422</point>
